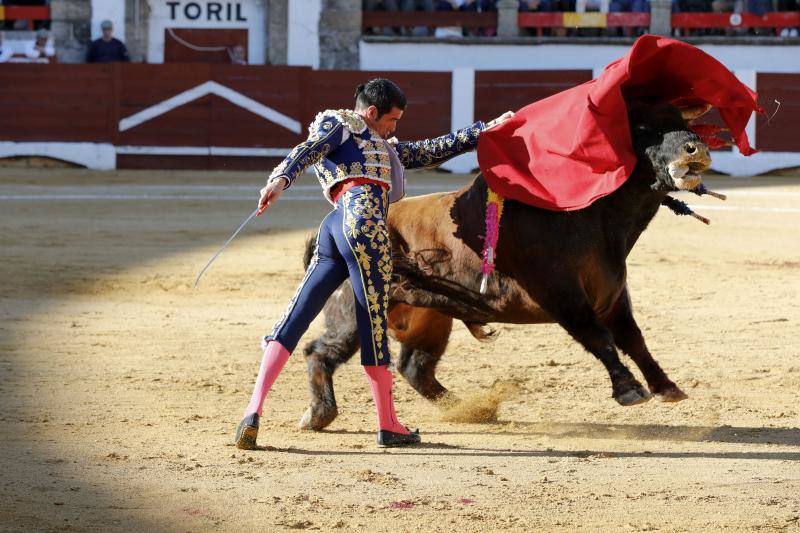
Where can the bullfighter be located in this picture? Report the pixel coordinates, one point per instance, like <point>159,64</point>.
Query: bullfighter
<point>361,170</point>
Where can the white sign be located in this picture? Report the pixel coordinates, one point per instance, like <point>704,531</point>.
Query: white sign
<point>208,11</point>
<point>232,14</point>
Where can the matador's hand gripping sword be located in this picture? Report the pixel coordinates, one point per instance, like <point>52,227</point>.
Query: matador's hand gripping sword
<point>235,233</point>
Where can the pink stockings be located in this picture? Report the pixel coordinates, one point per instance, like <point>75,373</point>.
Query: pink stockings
<point>380,381</point>
<point>275,357</point>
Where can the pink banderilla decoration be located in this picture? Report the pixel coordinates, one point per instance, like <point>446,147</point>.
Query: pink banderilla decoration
<point>494,210</point>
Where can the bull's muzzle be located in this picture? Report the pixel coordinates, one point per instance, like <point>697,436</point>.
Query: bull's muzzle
<point>687,169</point>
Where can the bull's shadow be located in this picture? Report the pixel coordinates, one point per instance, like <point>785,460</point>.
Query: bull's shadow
<point>633,432</point>
<point>646,432</point>
<point>628,432</point>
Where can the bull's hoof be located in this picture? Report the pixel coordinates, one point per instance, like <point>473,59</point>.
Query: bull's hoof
<point>671,395</point>
<point>634,396</point>
<point>317,418</point>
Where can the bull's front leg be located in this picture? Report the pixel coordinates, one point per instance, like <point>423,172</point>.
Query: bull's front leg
<point>325,354</point>
<point>629,338</point>
<point>581,322</point>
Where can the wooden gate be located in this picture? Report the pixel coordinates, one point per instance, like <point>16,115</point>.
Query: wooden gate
<point>184,45</point>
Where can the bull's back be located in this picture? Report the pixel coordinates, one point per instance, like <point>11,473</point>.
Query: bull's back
<point>430,230</point>
<point>419,217</point>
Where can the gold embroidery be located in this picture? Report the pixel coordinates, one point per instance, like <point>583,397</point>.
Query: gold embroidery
<point>433,152</point>
<point>349,119</point>
<point>308,153</point>
<point>366,208</point>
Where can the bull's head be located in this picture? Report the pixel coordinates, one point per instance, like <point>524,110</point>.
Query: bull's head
<point>662,140</point>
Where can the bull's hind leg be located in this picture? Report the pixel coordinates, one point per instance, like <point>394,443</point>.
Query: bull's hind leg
<point>324,355</point>
<point>579,319</point>
<point>423,334</point>
<point>629,338</point>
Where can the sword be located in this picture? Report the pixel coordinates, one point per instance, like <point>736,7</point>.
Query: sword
<point>235,233</point>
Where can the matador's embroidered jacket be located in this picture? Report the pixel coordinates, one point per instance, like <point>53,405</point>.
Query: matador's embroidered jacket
<point>341,146</point>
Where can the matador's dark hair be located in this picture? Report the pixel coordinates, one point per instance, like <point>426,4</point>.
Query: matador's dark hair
<point>382,93</point>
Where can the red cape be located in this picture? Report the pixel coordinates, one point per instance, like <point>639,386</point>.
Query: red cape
<point>566,151</point>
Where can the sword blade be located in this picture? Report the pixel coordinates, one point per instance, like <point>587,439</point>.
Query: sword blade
<point>235,233</point>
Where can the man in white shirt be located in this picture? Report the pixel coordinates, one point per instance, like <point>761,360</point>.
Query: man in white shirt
<point>41,50</point>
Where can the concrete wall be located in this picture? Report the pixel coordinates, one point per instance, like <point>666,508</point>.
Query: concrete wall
<point>71,29</point>
<point>303,35</point>
<point>339,34</point>
<point>137,17</point>
<point>277,31</point>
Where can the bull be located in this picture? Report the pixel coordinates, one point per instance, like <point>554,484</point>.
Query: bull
<point>564,267</point>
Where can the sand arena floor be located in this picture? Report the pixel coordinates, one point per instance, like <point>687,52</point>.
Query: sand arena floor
<point>121,386</point>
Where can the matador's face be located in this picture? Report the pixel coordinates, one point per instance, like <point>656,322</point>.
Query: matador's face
<point>386,124</point>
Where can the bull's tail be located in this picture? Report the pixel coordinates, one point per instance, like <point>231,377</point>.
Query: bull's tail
<point>417,288</point>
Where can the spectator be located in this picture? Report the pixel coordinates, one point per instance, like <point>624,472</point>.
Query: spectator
<point>400,5</point>
<point>760,7</point>
<point>628,6</point>
<point>788,5</point>
<point>480,6</point>
<point>582,6</point>
<point>536,6</point>
<point>371,5</point>
<point>237,55</point>
<point>695,6</point>
<point>417,5</point>
<point>449,31</point>
<point>41,50</point>
<point>107,49</point>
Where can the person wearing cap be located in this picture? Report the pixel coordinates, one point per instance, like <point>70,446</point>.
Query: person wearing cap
<point>41,50</point>
<point>107,49</point>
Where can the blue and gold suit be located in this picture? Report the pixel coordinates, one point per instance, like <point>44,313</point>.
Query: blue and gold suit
<point>353,239</point>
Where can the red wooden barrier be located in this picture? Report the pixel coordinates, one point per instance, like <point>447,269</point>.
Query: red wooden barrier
<point>230,116</point>
<point>500,91</point>
<point>570,19</point>
<point>628,20</point>
<point>780,133</point>
<point>540,20</point>
<point>56,102</point>
<point>736,20</point>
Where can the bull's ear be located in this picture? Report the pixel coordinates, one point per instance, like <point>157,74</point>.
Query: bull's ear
<point>692,113</point>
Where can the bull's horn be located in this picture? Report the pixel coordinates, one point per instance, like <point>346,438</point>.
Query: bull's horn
<point>695,112</point>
